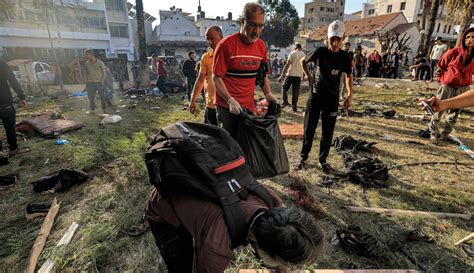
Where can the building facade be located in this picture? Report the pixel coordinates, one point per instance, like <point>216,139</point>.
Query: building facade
<point>413,11</point>
<point>228,25</point>
<point>322,12</point>
<point>74,25</point>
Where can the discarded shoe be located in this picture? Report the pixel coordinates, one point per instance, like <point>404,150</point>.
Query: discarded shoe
<point>7,181</point>
<point>3,159</point>
<point>60,181</point>
<point>140,228</point>
<point>354,241</point>
<point>300,166</point>
<point>36,210</point>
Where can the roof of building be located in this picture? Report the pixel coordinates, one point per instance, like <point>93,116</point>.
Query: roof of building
<point>365,26</point>
<point>402,28</point>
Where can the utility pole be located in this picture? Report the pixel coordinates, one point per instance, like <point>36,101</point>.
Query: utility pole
<point>58,67</point>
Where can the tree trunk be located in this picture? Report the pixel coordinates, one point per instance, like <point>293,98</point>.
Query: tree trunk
<point>143,72</point>
<point>433,14</point>
<point>423,25</point>
<point>466,23</point>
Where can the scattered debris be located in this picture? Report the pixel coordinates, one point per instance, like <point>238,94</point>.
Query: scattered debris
<point>3,159</point>
<point>62,141</point>
<point>424,133</point>
<point>431,163</point>
<point>111,119</point>
<point>51,124</point>
<point>354,241</point>
<point>48,266</point>
<point>42,236</point>
<point>382,85</point>
<point>36,210</point>
<point>60,181</point>
<point>398,212</point>
<point>156,108</point>
<point>465,239</point>
<point>140,228</point>
<point>462,146</point>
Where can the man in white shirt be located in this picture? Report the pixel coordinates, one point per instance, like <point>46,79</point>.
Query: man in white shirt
<point>436,52</point>
<point>291,75</point>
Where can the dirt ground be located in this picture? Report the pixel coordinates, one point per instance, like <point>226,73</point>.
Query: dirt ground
<point>112,200</point>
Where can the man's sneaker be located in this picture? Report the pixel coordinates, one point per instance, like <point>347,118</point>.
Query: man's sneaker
<point>3,159</point>
<point>7,181</point>
<point>295,109</point>
<point>285,104</point>
<point>300,166</point>
<point>36,210</point>
<point>326,168</point>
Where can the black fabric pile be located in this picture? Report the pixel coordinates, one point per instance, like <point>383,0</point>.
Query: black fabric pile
<point>354,241</point>
<point>370,112</point>
<point>60,181</point>
<point>424,133</point>
<point>362,167</point>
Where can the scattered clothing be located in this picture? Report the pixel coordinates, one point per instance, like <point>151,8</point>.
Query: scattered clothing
<point>49,126</point>
<point>354,241</point>
<point>7,181</point>
<point>36,210</point>
<point>60,181</point>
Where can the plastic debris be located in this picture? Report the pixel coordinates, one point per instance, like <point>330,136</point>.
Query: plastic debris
<point>111,119</point>
<point>62,141</point>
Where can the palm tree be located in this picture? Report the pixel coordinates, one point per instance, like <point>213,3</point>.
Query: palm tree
<point>432,23</point>
<point>143,72</point>
<point>460,13</point>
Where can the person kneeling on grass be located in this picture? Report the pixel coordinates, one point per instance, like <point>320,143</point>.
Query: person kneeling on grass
<point>192,234</point>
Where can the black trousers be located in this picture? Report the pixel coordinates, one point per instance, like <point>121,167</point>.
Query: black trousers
<point>228,121</point>
<point>175,245</point>
<point>392,73</point>
<point>93,88</point>
<point>295,83</point>
<point>423,73</point>
<point>160,83</point>
<point>191,82</point>
<point>325,107</point>
<point>7,115</point>
<point>210,117</point>
<point>433,65</point>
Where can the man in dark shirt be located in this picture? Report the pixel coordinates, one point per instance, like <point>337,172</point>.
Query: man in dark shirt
<point>7,111</point>
<point>189,71</point>
<point>330,62</point>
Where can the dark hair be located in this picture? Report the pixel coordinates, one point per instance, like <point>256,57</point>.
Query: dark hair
<point>190,53</point>
<point>298,46</point>
<point>251,8</point>
<point>347,43</point>
<point>154,55</point>
<point>216,29</point>
<point>289,235</point>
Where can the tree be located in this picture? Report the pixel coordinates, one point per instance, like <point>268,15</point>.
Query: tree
<point>426,6</point>
<point>432,23</point>
<point>143,66</point>
<point>393,40</point>
<point>282,23</point>
<point>460,13</point>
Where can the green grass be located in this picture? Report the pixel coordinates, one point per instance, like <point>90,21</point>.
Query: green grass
<point>114,197</point>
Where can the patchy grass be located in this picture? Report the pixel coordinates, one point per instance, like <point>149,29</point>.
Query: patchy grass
<point>113,198</point>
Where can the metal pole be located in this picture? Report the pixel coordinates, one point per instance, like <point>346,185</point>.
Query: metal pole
<point>58,68</point>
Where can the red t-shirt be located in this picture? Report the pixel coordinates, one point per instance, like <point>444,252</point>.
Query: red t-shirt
<point>160,68</point>
<point>237,63</point>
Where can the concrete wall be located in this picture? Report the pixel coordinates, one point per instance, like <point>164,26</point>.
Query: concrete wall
<point>228,27</point>
<point>314,16</point>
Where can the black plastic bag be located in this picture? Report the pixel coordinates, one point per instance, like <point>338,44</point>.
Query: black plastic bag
<point>261,141</point>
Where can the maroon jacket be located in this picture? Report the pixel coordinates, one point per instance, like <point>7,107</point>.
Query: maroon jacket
<point>452,70</point>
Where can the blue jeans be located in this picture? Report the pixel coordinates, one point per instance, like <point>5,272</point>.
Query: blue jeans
<point>96,87</point>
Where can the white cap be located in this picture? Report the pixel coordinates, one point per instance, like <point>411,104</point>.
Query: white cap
<point>336,28</point>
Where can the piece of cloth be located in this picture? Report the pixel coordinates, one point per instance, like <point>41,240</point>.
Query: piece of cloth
<point>209,86</point>
<point>348,143</point>
<point>190,86</point>
<point>446,92</point>
<point>204,221</point>
<point>295,83</point>
<point>437,51</point>
<point>295,69</point>
<point>452,66</point>
<point>210,117</point>
<point>48,125</point>
<point>189,68</point>
<point>329,66</point>
<point>60,181</point>
<point>7,80</point>
<point>238,63</point>
<point>94,71</point>
<point>8,116</point>
<point>160,68</point>
<point>228,121</point>
<point>92,89</point>
<point>316,107</point>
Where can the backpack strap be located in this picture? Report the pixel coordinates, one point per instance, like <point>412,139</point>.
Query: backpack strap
<point>262,193</point>
<point>235,220</point>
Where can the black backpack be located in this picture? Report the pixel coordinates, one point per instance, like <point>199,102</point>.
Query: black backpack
<point>203,160</point>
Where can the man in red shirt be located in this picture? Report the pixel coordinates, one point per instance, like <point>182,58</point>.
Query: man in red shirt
<point>455,69</point>
<point>237,60</point>
<point>160,70</point>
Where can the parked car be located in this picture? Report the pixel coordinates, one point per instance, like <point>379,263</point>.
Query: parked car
<point>32,74</point>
